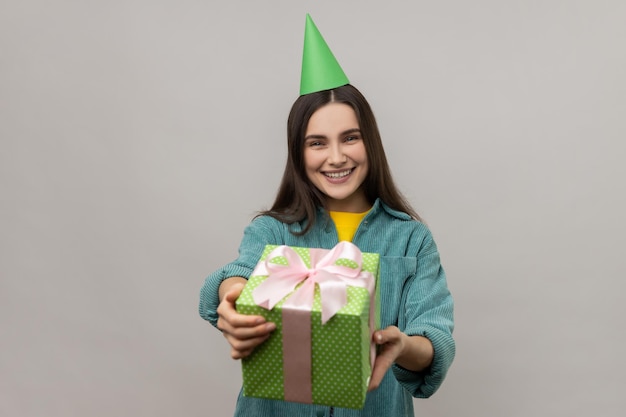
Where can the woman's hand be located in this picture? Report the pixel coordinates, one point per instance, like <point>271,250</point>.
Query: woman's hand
<point>414,353</point>
<point>244,333</point>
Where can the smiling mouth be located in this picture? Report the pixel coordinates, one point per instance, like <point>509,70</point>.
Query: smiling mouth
<point>339,174</point>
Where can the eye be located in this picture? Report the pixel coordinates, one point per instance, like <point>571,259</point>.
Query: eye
<point>314,144</point>
<point>352,138</point>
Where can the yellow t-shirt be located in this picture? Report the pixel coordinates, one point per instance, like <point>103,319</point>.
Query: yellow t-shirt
<point>346,223</point>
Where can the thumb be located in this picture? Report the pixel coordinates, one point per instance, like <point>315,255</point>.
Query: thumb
<point>233,292</point>
<point>381,336</point>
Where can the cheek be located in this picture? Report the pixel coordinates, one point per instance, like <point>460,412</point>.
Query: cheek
<point>360,155</point>
<point>311,161</point>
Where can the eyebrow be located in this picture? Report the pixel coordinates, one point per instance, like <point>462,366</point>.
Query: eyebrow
<point>345,132</point>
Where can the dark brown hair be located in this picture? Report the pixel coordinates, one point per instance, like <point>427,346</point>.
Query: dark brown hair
<point>297,198</point>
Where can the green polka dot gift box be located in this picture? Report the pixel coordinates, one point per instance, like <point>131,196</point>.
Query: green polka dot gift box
<point>325,307</point>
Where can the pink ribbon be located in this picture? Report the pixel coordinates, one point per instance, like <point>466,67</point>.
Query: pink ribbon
<point>333,280</point>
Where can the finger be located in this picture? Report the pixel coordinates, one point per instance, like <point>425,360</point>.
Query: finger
<point>237,354</point>
<point>383,362</point>
<point>230,318</point>
<point>389,341</point>
<point>244,332</point>
<point>243,348</point>
<point>390,334</point>
<point>228,314</point>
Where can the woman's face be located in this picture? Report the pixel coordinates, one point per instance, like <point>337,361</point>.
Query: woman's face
<point>335,159</point>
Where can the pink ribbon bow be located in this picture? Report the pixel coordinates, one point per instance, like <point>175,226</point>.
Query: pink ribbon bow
<point>332,279</point>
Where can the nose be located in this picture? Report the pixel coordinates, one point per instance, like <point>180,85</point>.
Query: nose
<point>336,156</point>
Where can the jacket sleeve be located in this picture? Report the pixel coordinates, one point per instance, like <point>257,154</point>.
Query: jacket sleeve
<point>428,311</point>
<point>260,232</point>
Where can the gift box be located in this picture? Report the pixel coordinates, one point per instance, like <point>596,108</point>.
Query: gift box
<point>325,307</point>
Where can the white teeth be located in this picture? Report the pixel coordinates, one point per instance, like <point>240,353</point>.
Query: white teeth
<point>338,174</point>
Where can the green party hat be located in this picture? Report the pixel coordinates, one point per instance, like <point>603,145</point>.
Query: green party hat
<point>320,69</point>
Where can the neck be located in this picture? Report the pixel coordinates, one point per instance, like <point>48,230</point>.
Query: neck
<point>352,205</point>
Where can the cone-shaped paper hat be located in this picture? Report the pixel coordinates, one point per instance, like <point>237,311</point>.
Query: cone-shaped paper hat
<point>320,69</point>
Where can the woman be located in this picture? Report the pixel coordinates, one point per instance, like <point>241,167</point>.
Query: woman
<point>337,186</point>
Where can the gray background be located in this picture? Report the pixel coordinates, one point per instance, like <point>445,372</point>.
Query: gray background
<point>137,139</point>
